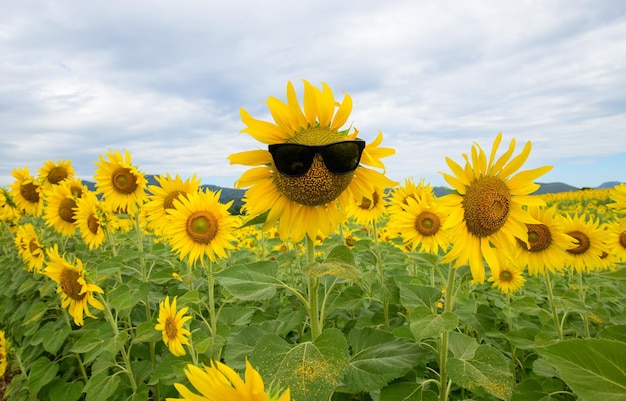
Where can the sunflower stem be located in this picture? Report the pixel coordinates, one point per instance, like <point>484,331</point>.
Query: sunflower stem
<point>313,283</point>
<point>444,386</point>
<point>212,313</point>
<point>380,266</point>
<point>555,316</point>
<point>581,293</point>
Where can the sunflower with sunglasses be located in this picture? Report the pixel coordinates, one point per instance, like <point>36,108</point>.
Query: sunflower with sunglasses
<point>311,170</point>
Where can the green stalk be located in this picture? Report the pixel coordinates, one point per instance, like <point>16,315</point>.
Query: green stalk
<point>380,266</point>
<point>444,386</point>
<point>313,284</point>
<point>555,316</point>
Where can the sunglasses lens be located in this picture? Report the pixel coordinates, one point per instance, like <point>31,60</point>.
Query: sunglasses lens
<point>292,160</point>
<point>343,157</point>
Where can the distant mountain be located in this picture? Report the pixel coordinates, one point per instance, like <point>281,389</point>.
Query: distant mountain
<point>609,184</point>
<point>554,188</point>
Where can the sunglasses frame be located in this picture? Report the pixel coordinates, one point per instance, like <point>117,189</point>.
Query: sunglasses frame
<point>317,149</point>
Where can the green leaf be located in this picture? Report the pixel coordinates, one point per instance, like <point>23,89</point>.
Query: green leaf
<point>488,369</point>
<point>87,342</point>
<point>258,219</point>
<point>120,298</point>
<point>62,390</point>
<point>35,313</point>
<point>461,345</point>
<point>255,281</point>
<point>532,390</point>
<point>416,295</point>
<point>377,358</point>
<point>101,387</point>
<point>42,372</point>
<point>339,263</point>
<point>425,324</point>
<point>594,368</point>
<point>311,370</point>
<point>147,333</point>
<point>407,392</point>
<point>523,338</point>
<point>617,332</point>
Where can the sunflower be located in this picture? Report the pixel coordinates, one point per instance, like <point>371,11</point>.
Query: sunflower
<point>616,239</point>
<point>218,382</point>
<point>60,208</point>
<point>76,293</point>
<point>26,192</point>
<point>29,247</point>
<point>171,324</point>
<point>200,225</point>
<point>418,218</point>
<point>618,194</point>
<point>91,219</point>
<point>589,248</point>
<point>487,208</point>
<point>121,184</point>
<point>3,353</point>
<point>162,198</point>
<point>510,278</point>
<point>312,196</point>
<point>77,187</point>
<point>367,210</point>
<point>52,173</point>
<point>9,212</point>
<point>545,249</point>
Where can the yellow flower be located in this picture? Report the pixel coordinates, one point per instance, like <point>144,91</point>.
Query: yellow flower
<point>60,208</point>
<point>547,242</point>
<point>589,237</point>
<point>26,192</point>
<point>219,382</point>
<point>510,278</point>
<point>91,219</point>
<point>76,293</point>
<point>487,208</point>
<point>52,173</point>
<point>121,184</point>
<point>367,210</point>
<point>305,187</point>
<point>418,218</point>
<point>618,194</point>
<point>171,326</point>
<point>3,354</point>
<point>200,225</point>
<point>616,239</point>
<point>163,196</point>
<point>29,247</point>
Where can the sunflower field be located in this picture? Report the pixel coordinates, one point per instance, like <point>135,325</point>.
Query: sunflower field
<point>332,282</point>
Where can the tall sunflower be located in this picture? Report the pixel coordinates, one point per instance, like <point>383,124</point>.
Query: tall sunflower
<point>547,242</point>
<point>219,382</point>
<point>121,184</point>
<point>52,173</point>
<point>9,212</point>
<point>618,194</point>
<point>171,324</point>
<point>60,208</point>
<point>510,278</point>
<point>616,239</point>
<point>26,192</point>
<point>487,211</point>
<point>76,293</point>
<point>200,225</point>
<point>91,219</point>
<point>589,238</point>
<point>29,247</point>
<point>162,198</point>
<point>304,192</point>
<point>417,217</point>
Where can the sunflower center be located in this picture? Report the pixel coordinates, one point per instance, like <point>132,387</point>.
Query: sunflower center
<point>539,237</point>
<point>34,247</point>
<point>202,227</point>
<point>93,223</point>
<point>506,276</point>
<point>582,240</point>
<point>57,174</point>
<point>367,204</point>
<point>622,239</point>
<point>66,210</point>
<point>29,192</point>
<point>427,223</point>
<point>318,185</point>
<point>77,191</point>
<point>171,331</point>
<point>70,285</point>
<point>124,181</point>
<point>168,203</point>
<point>487,204</point>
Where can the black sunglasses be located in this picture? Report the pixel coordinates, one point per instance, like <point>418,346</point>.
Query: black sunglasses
<point>295,159</point>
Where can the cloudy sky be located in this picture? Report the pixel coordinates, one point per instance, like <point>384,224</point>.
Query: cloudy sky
<point>166,79</point>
